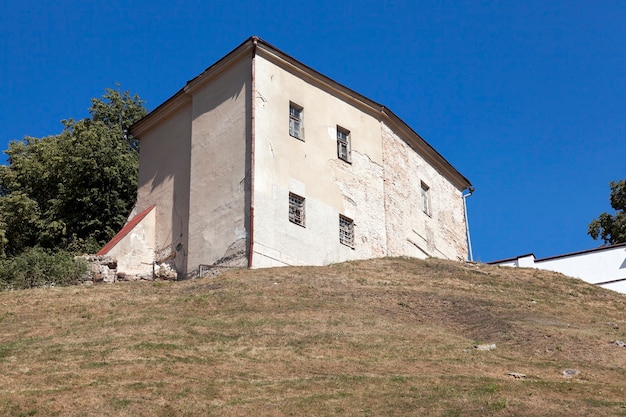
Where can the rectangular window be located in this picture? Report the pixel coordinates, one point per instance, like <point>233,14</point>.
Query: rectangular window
<point>296,128</point>
<point>343,144</point>
<point>425,198</point>
<point>296,209</point>
<point>346,231</point>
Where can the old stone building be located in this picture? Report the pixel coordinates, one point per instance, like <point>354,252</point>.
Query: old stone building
<point>262,161</point>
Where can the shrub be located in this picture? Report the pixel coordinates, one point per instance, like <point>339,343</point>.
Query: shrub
<point>37,267</point>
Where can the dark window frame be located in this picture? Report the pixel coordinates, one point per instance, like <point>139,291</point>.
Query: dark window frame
<point>296,121</point>
<point>346,231</point>
<point>297,213</point>
<point>344,151</point>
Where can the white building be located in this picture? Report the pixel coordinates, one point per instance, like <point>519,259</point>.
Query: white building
<point>604,266</point>
<point>262,161</point>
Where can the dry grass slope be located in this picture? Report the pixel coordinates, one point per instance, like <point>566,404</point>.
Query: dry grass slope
<point>385,337</point>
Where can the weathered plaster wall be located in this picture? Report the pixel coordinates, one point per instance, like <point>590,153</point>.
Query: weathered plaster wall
<point>164,160</point>
<point>218,205</point>
<point>311,169</point>
<point>197,158</point>
<point>410,231</point>
<point>135,252</point>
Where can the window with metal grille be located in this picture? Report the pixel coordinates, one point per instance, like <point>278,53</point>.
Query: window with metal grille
<point>343,144</point>
<point>346,231</point>
<point>295,121</point>
<point>425,198</point>
<point>296,209</point>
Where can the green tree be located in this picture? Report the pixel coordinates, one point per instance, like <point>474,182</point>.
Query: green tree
<point>75,189</point>
<point>612,228</point>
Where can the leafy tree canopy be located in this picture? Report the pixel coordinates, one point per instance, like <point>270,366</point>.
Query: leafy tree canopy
<point>73,190</point>
<point>612,228</point>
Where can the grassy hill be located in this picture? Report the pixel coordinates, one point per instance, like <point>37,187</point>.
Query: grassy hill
<point>385,337</point>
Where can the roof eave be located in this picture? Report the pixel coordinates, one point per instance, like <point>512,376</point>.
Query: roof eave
<point>384,113</point>
<point>259,46</point>
<point>183,96</point>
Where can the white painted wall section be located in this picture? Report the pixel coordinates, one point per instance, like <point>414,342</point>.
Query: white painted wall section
<point>604,266</point>
<point>311,169</point>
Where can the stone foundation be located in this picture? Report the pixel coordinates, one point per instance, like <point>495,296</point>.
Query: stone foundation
<point>103,268</point>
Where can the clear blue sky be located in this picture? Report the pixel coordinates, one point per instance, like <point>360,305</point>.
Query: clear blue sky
<point>527,99</point>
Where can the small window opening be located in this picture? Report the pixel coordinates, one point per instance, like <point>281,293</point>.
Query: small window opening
<point>346,231</point>
<point>296,128</point>
<point>296,209</point>
<point>343,144</point>
<point>425,193</point>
